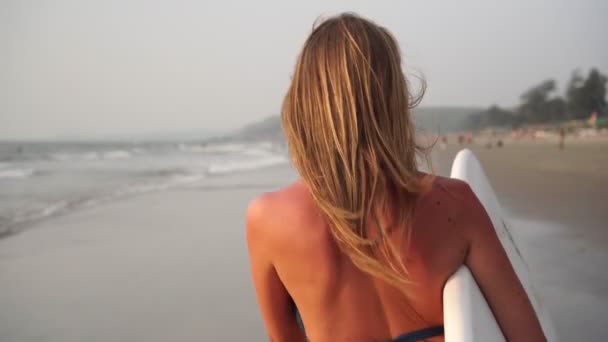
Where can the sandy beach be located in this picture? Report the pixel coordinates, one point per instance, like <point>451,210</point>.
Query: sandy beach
<point>172,265</point>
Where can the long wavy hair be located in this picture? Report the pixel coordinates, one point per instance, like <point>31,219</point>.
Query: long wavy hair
<point>347,121</point>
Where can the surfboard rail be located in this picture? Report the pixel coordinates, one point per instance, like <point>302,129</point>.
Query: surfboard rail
<point>467,316</point>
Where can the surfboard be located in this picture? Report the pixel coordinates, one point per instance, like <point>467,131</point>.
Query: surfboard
<point>467,316</point>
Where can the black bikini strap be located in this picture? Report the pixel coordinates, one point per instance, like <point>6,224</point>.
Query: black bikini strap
<point>421,334</point>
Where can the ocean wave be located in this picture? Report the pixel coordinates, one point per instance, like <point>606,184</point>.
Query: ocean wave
<point>258,152</point>
<point>9,221</point>
<point>246,165</point>
<point>191,148</point>
<point>212,148</point>
<point>94,155</point>
<point>191,172</point>
<point>225,148</point>
<point>172,182</point>
<point>166,172</point>
<point>15,221</point>
<point>116,154</point>
<point>156,180</point>
<point>53,208</point>
<point>258,149</point>
<point>75,156</point>
<point>16,173</point>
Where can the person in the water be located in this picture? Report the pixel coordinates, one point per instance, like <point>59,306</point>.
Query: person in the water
<point>360,247</point>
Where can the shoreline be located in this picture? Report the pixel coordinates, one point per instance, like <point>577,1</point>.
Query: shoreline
<point>142,269</point>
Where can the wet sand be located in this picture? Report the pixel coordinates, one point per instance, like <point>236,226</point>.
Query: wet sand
<point>173,265</point>
<point>168,266</point>
<point>538,181</point>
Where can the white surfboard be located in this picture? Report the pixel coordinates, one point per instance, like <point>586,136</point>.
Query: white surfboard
<point>467,316</point>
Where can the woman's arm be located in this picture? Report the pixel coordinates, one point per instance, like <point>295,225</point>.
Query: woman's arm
<point>273,299</point>
<point>496,277</point>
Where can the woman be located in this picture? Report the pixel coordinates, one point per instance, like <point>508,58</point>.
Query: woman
<point>361,247</point>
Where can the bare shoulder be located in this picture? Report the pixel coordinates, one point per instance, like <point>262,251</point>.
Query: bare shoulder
<point>452,201</point>
<point>456,188</point>
<point>275,216</point>
<point>448,195</point>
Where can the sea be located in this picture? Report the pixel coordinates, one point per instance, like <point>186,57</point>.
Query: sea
<point>39,180</point>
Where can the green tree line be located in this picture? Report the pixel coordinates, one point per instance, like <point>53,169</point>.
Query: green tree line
<point>542,104</point>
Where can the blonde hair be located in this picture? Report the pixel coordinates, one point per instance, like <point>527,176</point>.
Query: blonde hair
<point>346,118</point>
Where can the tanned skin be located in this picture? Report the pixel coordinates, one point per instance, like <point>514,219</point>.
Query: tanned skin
<point>295,259</point>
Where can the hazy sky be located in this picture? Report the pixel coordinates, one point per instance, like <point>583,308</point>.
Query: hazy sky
<point>117,67</point>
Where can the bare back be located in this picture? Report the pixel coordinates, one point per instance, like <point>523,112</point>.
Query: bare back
<point>339,302</point>
<point>337,296</point>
